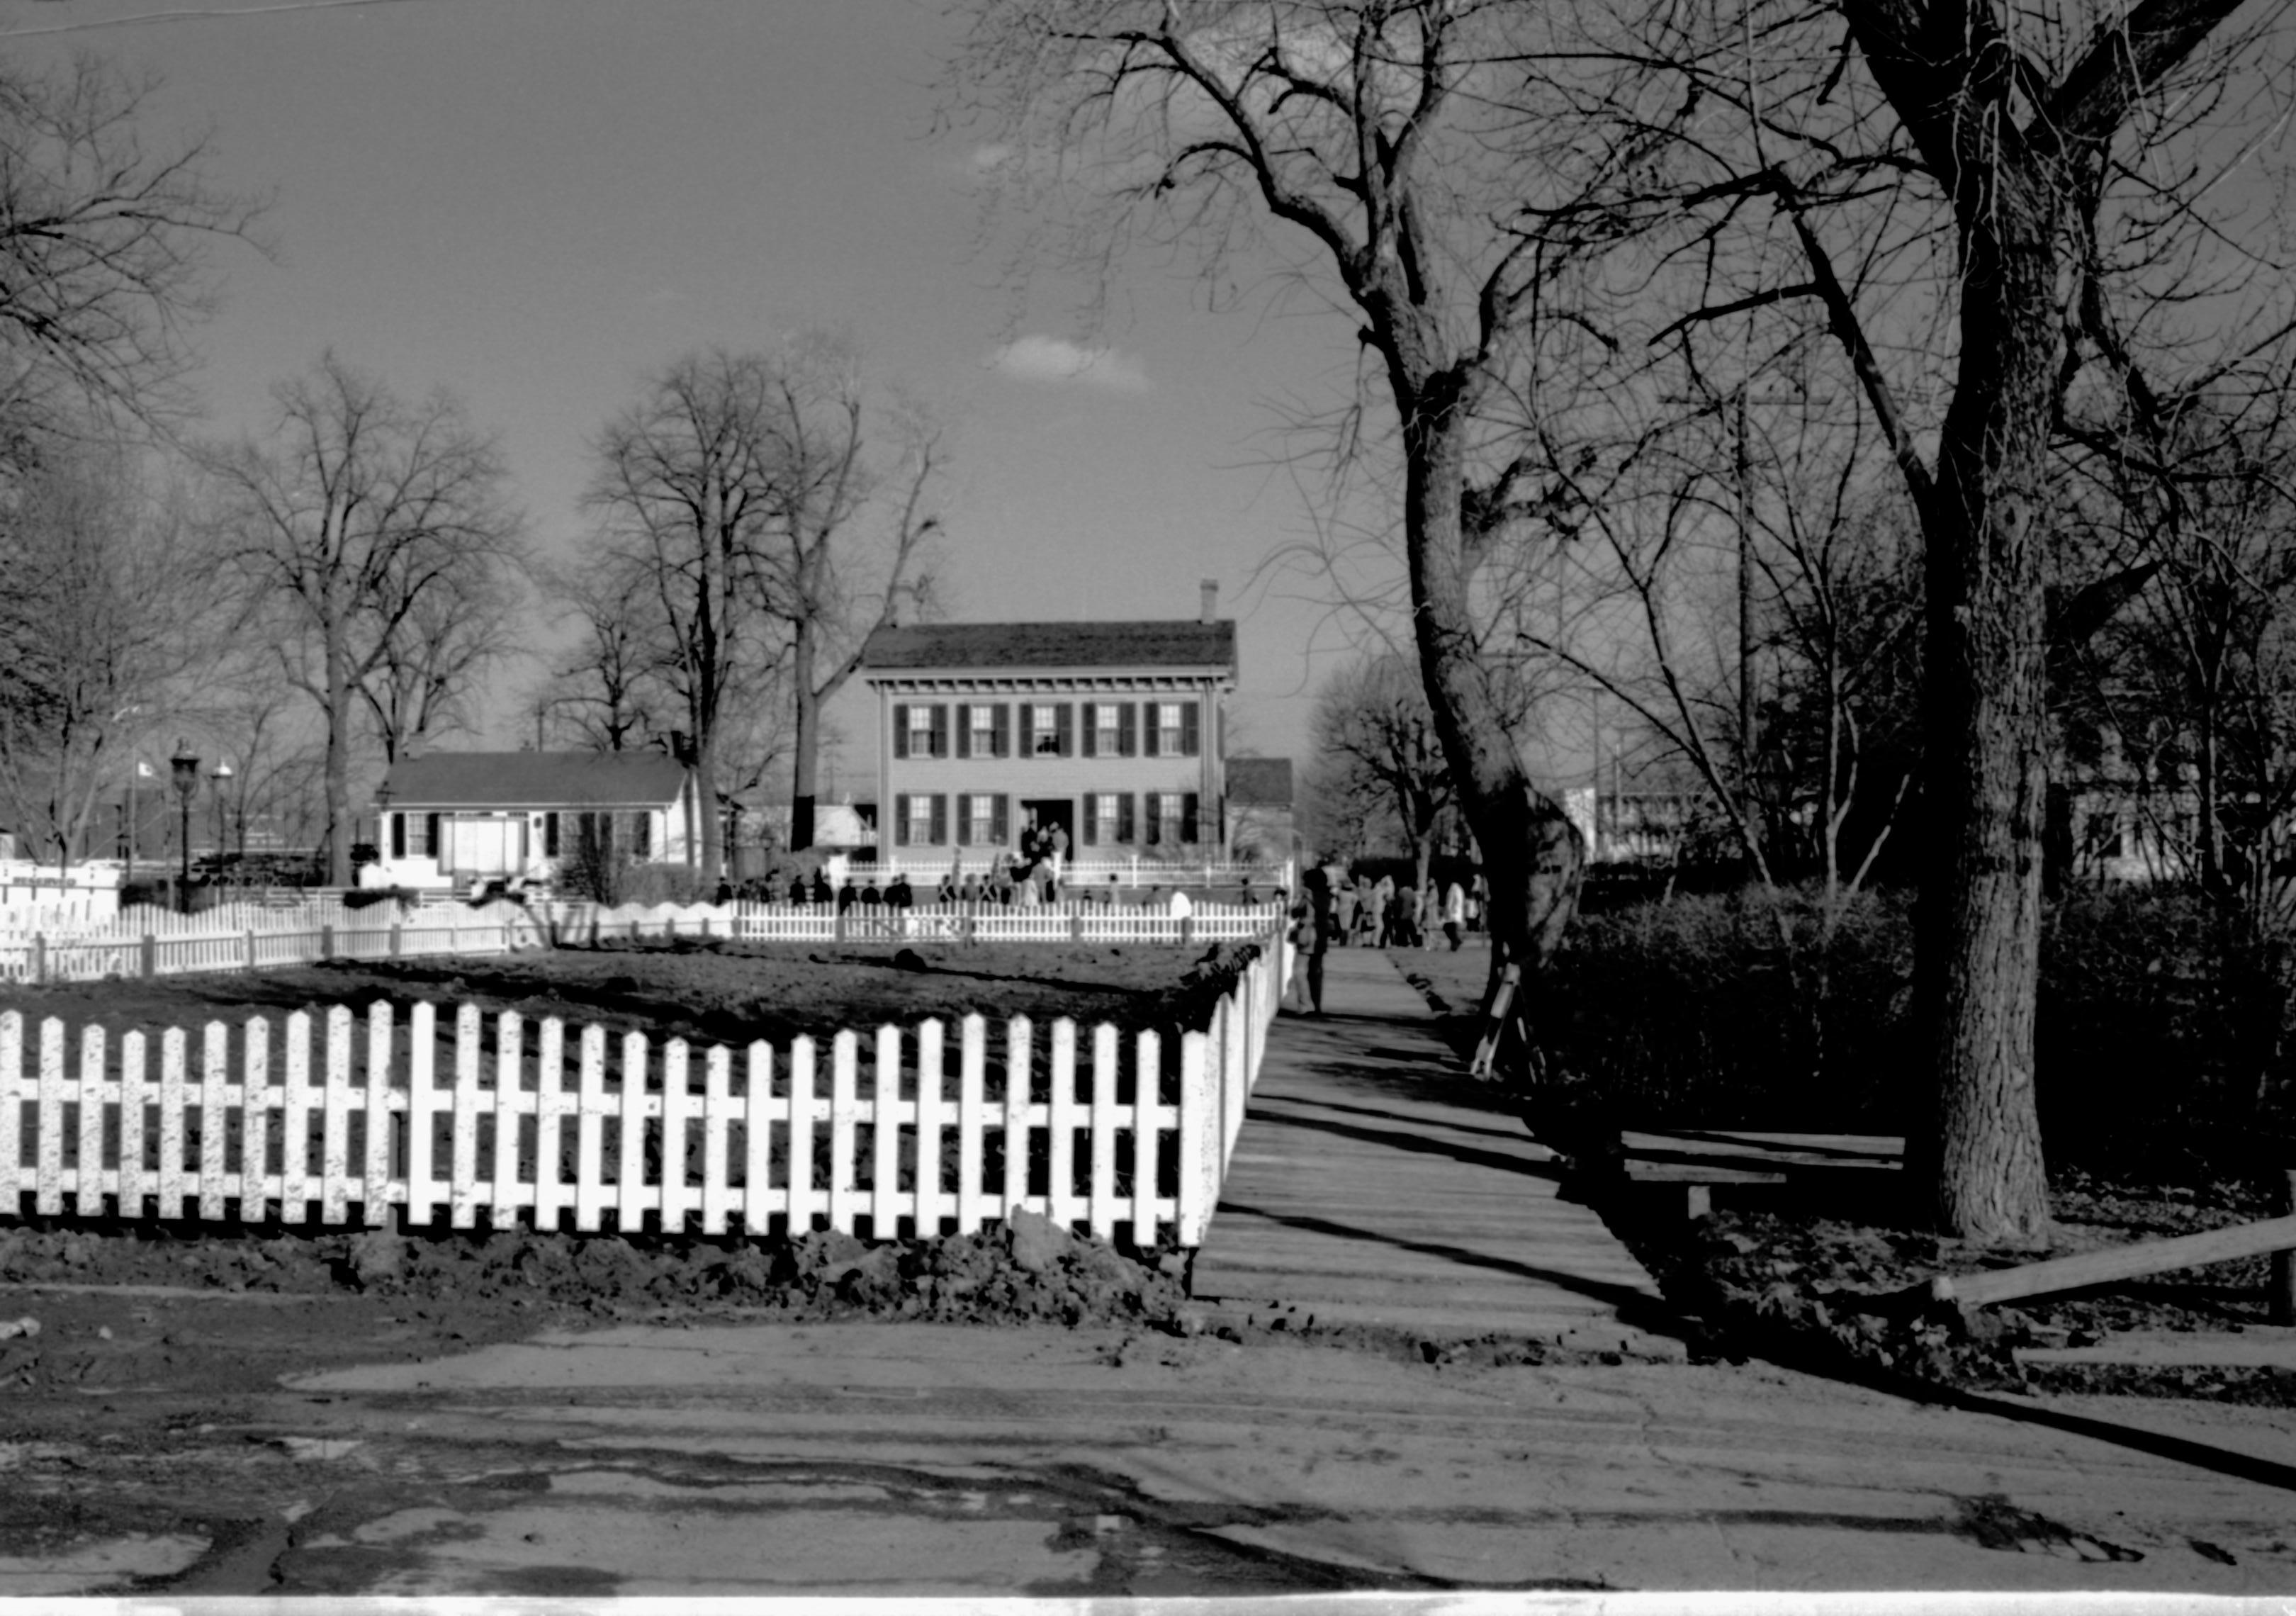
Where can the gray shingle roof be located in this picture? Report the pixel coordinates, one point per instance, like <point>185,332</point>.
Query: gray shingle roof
<point>1178,644</point>
<point>1259,782</point>
<point>535,779</point>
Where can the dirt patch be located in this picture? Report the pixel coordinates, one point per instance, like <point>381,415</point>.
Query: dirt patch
<point>695,988</point>
<point>153,1309</point>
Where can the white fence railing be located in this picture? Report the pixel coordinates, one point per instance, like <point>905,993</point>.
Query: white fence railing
<point>912,1131</point>
<point>251,937</point>
<point>1087,872</point>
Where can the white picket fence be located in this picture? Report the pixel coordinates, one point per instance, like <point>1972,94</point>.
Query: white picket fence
<point>179,945</point>
<point>1137,1135</point>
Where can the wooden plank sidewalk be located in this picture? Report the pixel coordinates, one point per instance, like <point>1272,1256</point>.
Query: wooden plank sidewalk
<point>1371,1184</point>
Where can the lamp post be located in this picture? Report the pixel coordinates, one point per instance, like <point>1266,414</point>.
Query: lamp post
<point>185,771</point>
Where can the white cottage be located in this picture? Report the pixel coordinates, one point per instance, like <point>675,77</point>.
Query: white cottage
<point>456,819</point>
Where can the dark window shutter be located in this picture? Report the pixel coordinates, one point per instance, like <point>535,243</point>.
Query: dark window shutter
<point>430,835</point>
<point>1028,747</point>
<point>1127,728</point>
<point>939,818</point>
<point>1150,738</point>
<point>900,729</point>
<point>1188,828</point>
<point>1092,729</point>
<point>640,835</point>
<point>398,835</point>
<point>1190,736</point>
<point>1124,815</point>
<point>549,835</point>
<point>1151,804</point>
<point>901,819</point>
<point>1062,731</point>
<point>1091,820</point>
<point>1003,746</point>
<point>940,729</point>
<point>1000,818</point>
<point>964,729</point>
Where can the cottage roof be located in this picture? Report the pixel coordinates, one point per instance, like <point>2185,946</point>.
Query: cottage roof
<point>1259,782</point>
<point>535,780</point>
<point>947,647</point>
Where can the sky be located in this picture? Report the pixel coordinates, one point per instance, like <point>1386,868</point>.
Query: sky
<point>536,203</point>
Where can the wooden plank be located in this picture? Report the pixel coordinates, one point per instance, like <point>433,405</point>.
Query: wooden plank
<point>1785,1149</point>
<point>931,1201</point>
<point>2115,1263</point>
<point>1691,1172</point>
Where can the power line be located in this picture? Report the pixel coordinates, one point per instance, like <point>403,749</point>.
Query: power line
<point>201,14</point>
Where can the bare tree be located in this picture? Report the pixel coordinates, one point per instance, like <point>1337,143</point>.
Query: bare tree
<point>818,576</point>
<point>1373,731</point>
<point>604,689</point>
<point>109,612</point>
<point>685,491</point>
<point>367,529</point>
<point>1373,135</point>
<point>102,238</point>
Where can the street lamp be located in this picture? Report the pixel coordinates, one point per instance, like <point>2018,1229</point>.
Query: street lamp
<point>185,771</point>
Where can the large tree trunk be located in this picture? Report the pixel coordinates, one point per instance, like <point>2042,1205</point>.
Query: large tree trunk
<point>338,764</point>
<point>1531,856</point>
<point>808,741</point>
<point>1978,923</point>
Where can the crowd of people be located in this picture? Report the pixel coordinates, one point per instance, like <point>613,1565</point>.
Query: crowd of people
<point>1336,911</point>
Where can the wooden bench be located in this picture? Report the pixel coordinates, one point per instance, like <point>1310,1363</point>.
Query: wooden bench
<point>1697,1159</point>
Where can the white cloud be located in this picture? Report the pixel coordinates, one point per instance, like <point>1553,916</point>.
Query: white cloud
<point>1058,361</point>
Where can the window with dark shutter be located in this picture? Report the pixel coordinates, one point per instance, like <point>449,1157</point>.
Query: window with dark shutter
<point>1191,731</point>
<point>900,729</point>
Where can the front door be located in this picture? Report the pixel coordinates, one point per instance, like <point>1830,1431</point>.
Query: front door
<point>1045,813</point>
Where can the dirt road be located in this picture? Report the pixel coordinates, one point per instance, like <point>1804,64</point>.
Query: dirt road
<point>905,1459</point>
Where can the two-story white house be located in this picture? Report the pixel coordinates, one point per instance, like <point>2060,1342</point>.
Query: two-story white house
<point>1112,731</point>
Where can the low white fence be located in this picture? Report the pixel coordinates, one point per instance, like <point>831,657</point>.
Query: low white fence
<point>251,936</point>
<point>1076,873</point>
<point>1138,1134</point>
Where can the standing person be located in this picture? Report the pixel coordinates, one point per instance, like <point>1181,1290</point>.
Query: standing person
<point>1057,855</point>
<point>1454,914</point>
<point>1345,900</point>
<point>1379,922</point>
<point>1311,933</point>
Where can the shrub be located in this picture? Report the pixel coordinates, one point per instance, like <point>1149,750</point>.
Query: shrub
<point>2163,1020</point>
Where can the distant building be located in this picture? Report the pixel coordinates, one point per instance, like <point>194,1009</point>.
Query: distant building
<point>1110,731</point>
<point>454,818</point>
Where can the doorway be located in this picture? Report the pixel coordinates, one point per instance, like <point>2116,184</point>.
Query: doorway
<point>1048,812</point>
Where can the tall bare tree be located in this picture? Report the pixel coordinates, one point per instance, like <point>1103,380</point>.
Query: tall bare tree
<point>1376,136</point>
<point>828,581</point>
<point>369,532</point>
<point>685,492</point>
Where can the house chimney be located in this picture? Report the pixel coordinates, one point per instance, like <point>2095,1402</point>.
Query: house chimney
<point>1211,600</point>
